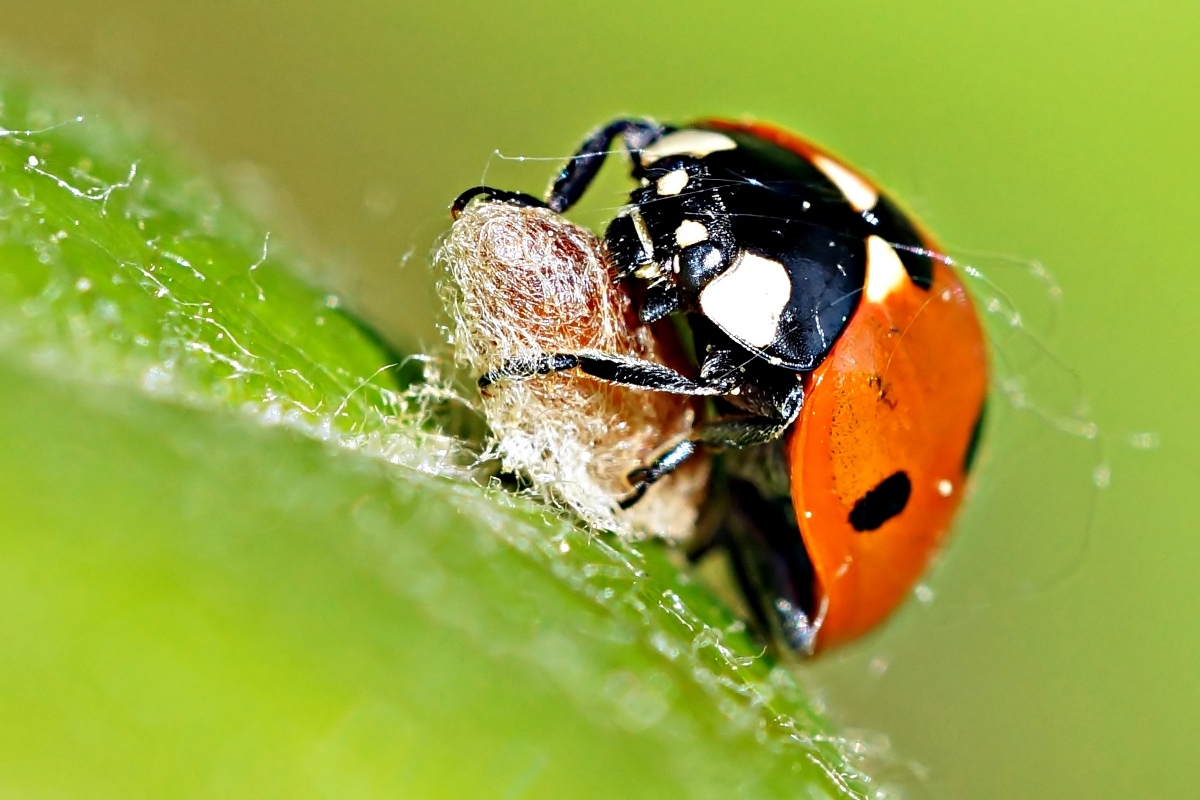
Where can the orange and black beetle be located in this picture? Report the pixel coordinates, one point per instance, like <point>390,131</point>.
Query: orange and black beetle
<point>847,365</point>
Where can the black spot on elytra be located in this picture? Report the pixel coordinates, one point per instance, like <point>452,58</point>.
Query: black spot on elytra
<point>881,503</point>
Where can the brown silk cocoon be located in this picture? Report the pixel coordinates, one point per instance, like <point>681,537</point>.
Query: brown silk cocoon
<point>526,281</point>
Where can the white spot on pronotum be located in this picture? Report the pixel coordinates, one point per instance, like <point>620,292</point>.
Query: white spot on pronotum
<point>945,488</point>
<point>688,142</point>
<point>858,193</point>
<point>672,183</point>
<point>747,300</point>
<point>923,593</point>
<point>689,232</point>
<point>885,272</point>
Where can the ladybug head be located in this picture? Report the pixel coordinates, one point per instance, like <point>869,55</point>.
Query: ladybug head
<point>737,230</point>
<point>674,234</point>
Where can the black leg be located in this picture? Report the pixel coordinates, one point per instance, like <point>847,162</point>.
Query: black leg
<point>740,431</point>
<point>719,434</point>
<point>772,407</point>
<point>519,368</point>
<point>579,172</point>
<point>622,370</point>
<point>497,195</point>
<point>771,564</point>
<point>643,478</point>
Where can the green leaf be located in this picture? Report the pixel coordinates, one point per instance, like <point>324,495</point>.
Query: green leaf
<point>237,559</point>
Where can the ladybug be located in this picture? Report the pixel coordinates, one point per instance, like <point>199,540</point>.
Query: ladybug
<point>845,361</point>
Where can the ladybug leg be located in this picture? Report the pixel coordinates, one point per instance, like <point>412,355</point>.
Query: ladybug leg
<point>577,174</point>
<point>740,432</point>
<point>773,412</point>
<point>494,195</point>
<point>610,368</point>
<point>770,562</point>
<point>643,478</point>
<point>722,433</point>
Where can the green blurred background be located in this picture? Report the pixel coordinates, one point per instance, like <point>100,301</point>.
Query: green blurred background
<point>1059,654</point>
